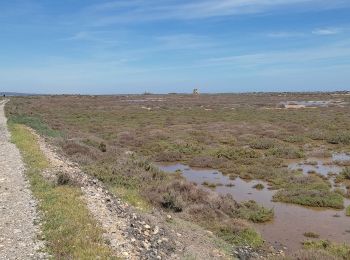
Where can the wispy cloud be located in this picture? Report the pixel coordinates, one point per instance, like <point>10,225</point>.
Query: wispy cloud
<point>98,39</point>
<point>151,10</point>
<point>79,36</point>
<point>285,34</point>
<point>327,31</point>
<point>317,32</point>
<point>183,41</point>
<point>320,56</point>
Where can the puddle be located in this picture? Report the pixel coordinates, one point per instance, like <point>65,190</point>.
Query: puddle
<point>290,221</point>
<point>310,103</point>
<point>341,157</point>
<point>322,166</point>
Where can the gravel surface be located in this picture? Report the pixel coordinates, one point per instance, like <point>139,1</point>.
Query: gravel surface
<point>18,233</point>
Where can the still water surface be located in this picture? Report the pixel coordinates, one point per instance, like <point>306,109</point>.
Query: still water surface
<point>290,221</point>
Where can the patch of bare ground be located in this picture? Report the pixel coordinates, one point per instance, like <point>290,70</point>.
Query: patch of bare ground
<point>131,233</point>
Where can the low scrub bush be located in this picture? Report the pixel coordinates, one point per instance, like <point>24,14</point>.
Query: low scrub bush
<point>164,150</point>
<point>259,186</point>
<point>103,147</point>
<point>310,254</point>
<point>209,184</point>
<point>294,139</point>
<point>338,250</point>
<point>206,161</point>
<point>63,179</point>
<point>311,235</point>
<point>320,154</point>
<point>252,211</point>
<point>317,135</point>
<point>339,138</point>
<point>172,202</point>
<point>127,138</point>
<point>236,153</point>
<point>240,236</point>
<point>310,197</point>
<point>286,152</point>
<point>340,191</point>
<point>210,209</point>
<point>345,173</point>
<point>168,156</point>
<point>80,152</point>
<point>262,143</point>
<point>348,211</point>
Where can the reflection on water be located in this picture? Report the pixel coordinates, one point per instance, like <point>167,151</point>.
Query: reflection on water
<point>322,166</point>
<point>311,103</point>
<point>341,157</point>
<point>290,221</point>
<point>317,166</point>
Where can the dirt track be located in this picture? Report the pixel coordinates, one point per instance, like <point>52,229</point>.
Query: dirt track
<point>18,232</point>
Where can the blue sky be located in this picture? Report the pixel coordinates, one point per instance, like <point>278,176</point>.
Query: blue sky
<point>160,46</point>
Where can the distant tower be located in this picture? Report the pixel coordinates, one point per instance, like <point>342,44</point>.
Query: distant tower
<point>196,92</point>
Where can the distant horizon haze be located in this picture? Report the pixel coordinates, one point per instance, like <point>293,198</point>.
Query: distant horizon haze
<point>10,93</point>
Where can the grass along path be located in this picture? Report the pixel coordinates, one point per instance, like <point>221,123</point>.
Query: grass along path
<point>69,230</point>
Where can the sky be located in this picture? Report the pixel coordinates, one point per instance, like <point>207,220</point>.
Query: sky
<point>161,46</point>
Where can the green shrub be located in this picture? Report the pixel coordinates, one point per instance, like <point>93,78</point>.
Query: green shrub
<point>343,175</point>
<point>310,197</point>
<point>63,179</point>
<point>262,143</point>
<point>294,139</point>
<point>339,250</point>
<point>103,147</point>
<point>247,236</point>
<point>311,235</point>
<point>346,173</point>
<point>236,153</point>
<point>35,123</point>
<point>259,186</point>
<point>172,202</point>
<point>287,152</point>
<point>339,138</point>
<point>340,191</point>
<point>348,211</point>
<point>209,184</point>
<point>250,210</point>
<point>317,134</point>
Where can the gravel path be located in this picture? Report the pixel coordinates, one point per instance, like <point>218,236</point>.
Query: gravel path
<point>18,232</point>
